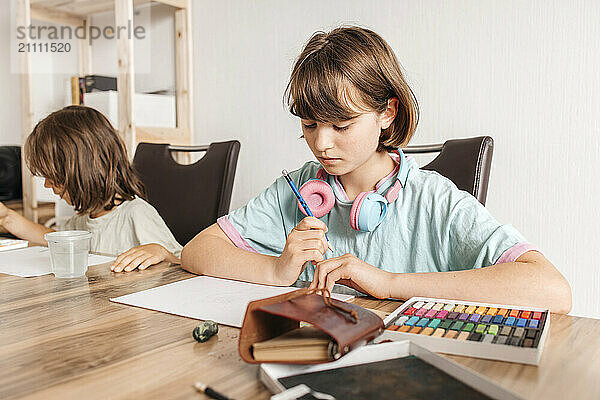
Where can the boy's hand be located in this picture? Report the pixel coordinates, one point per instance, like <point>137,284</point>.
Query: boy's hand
<point>351,271</point>
<point>142,257</point>
<point>306,242</point>
<point>3,212</point>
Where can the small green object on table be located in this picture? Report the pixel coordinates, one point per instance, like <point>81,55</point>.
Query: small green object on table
<point>205,331</point>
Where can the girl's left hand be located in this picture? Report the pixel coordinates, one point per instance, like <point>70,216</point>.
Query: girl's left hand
<point>141,257</point>
<point>351,271</point>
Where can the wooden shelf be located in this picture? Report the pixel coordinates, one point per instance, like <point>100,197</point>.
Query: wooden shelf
<point>79,9</point>
<point>79,12</point>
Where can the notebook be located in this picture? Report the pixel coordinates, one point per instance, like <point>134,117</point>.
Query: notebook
<point>12,244</point>
<point>306,343</point>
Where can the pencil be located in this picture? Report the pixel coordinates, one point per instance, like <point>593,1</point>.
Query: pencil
<point>213,394</point>
<point>301,200</point>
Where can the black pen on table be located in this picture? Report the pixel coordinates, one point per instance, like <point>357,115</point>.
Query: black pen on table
<point>301,200</point>
<point>210,392</point>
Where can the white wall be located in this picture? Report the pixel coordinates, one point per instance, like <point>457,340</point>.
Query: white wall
<point>10,119</point>
<point>524,72</point>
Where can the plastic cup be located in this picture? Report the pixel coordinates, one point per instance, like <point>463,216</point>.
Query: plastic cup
<point>69,252</point>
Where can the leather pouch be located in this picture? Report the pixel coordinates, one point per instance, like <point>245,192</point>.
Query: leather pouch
<point>347,324</point>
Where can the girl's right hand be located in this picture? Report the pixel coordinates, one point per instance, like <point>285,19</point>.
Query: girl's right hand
<point>306,242</point>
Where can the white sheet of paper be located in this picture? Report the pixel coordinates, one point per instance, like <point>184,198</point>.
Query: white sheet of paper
<point>35,261</point>
<point>204,297</point>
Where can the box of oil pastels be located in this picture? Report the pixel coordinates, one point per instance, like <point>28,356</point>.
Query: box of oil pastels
<point>494,331</point>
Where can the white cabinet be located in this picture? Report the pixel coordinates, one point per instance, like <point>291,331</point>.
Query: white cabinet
<point>148,109</point>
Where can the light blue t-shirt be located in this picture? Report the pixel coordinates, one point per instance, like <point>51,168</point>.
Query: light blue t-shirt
<point>432,226</point>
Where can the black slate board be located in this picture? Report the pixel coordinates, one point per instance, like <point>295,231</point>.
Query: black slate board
<point>400,378</point>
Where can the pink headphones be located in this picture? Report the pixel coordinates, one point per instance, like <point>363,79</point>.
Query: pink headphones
<point>368,209</point>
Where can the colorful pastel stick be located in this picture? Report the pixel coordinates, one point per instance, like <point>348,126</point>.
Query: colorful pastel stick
<point>469,323</point>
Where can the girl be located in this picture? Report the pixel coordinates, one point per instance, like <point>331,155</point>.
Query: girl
<point>396,231</point>
<point>84,161</point>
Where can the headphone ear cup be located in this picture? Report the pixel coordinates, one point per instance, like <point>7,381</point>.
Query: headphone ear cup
<point>368,211</point>
<point>318,196</point>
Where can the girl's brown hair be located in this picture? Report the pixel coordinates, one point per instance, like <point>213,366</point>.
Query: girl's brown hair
<point>347,71</point>
<point>79,151</point>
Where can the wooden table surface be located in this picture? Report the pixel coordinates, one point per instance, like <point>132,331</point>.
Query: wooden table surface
<point>64,339</point>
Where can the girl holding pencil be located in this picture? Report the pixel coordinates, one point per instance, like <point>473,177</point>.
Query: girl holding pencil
<point>396,231</point>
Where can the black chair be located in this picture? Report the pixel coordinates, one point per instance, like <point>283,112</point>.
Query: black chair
<point>466,162</point>
<point>10,173</point>
<point>188,197</point>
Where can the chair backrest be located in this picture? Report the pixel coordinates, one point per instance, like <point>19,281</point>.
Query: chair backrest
<point>188,197</point>
<point>466,162</point>
<point>10,173</point>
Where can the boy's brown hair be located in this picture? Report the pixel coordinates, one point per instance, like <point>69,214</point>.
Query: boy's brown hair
<point>347,71</point>
<point>79,151</point>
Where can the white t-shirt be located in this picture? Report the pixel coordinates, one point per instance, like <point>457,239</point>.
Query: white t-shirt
<point>131,223</point>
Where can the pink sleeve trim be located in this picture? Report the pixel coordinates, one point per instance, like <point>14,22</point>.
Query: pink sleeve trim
<point>234,235</point>
<point>515,252</point>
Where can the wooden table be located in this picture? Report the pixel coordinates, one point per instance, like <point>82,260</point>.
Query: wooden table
<point>64,339</point>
